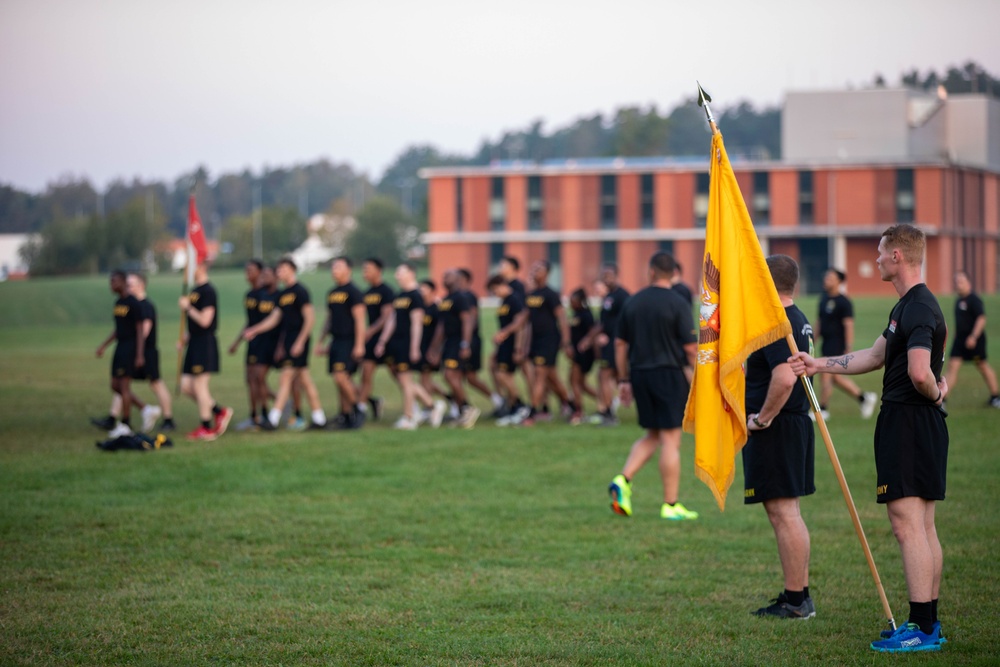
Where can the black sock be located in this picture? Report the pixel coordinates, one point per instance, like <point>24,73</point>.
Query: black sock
<point>922,613</point>
<point>861,397</point>
<point>126,421</point>
<point>822,407</point>
<point>168,421</point>
<point>216,410</point>
<point>795,598</point>
<point>206,425</point>
<point>934,609</point>
<point>805,591</point>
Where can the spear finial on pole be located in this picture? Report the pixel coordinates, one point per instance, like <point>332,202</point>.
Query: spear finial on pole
<point>703,100</point>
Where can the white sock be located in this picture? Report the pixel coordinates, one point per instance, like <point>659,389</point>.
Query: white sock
<point>274,416</point>
<point>319,417</point>
<point>497,400</point>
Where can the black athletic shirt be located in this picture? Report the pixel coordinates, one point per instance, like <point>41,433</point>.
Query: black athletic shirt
<point>685,292</point>
<point>292,300</point>
<point>148,312</point>
<point>450,313</point>
<point>611,309</point>
<point>510,307</point>
<point>202,297</point>
<point>430,324</point>
<point>404,304</point>
<point>762,362</point>
<point>518,287</point>
<point>833,310</point>
<point>657,323</point>
<point>127,316</point>
<point>340,302</point>
<point>916,321</point>
<point>375,298</point>
<point>967,311</point>
<point>542,305</point>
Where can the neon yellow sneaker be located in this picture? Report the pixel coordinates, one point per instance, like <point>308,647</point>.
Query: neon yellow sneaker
<point>677,512</point>
<point>621,495</point>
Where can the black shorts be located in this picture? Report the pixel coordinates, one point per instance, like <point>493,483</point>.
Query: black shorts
<point>426,366</point>
<point>151,371</point>
<point>607,357</point>
<point>584,360</point>
<point>260,351</point>
<point>544,351</point>
<point>660,395</point>
<point>505,356</point>
<point>123,361</point>
<point>833,347</point>
<point>397,355</point>
<point>780,461</point>
<point>911,452</point>
<point>339,358</point>
<point>202,355</point>
<point>370,351</point>
<point>451,356</point>
<point>301,361</point>
<point>978,353</point>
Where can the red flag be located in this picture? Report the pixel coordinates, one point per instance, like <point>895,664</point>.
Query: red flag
<point>197,246</point>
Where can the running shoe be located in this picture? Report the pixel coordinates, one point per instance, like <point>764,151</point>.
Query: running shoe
<point>202,433</point>
<point>868,403</point>
<point>247,424</point>
<point>166,426</point>
<point>621,495</point>
<point>104,423</point>
<point>677,512</point>
<point>222,420</point>
<point>150,414</point>
<point>780,607</point>
<point>908,638</point>
<point>404,423</point>
<point>468,417</point>
<point>885,634</point>
<point>297,424</point>
<point>994,402</point>
<point>119,430</point>
<point>437,413</point>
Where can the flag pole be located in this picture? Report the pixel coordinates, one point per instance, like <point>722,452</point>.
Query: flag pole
<point>703,100</point>
<point>184,291</point>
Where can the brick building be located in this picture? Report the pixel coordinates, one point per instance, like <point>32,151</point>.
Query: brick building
<point>855,163</point>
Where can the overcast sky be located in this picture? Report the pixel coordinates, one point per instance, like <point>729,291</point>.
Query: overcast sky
<point>124,88</point>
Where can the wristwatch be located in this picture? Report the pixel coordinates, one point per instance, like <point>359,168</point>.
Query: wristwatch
<point>759,423</point>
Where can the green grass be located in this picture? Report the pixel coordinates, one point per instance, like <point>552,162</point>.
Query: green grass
<point>490,547</point>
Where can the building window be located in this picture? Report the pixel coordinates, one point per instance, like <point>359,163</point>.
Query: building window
<point>904,196</point>
<point>806,214</point>
<point>534,203</point>
<point>667,245</point>
<point>761,198</point>
<point>609,252</point>
<point>553,252</point>
<point>496,253</point>
<point>609,201</point>
<point>498,205</point>
<point>701,181</point>
<point>647,219</point>
<point>458,205</point>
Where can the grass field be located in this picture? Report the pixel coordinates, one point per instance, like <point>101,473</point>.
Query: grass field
<point>448,547</point>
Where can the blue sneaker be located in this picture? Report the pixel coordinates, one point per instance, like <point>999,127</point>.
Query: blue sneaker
<point>937,628</point>
<point>908,638</point>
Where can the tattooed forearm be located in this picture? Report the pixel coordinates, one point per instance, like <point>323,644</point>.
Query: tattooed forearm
<point>839,361</point>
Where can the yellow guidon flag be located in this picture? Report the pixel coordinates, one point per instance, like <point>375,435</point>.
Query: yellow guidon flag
<point>739,312</point>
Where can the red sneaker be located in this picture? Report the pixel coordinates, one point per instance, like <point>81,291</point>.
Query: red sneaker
<point>222,420</point>
<point>201,433</point>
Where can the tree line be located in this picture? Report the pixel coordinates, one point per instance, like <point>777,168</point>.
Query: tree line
<point>83,230</point>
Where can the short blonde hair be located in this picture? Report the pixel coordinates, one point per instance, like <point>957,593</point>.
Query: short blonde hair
<point>908,240</point>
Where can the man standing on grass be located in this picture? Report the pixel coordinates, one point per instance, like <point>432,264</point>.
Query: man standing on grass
<point>604,346</point>
<point>836,327</point>
<point>378,302</point>
<point>259,302</point>
<point>129,354</point>
<point>345,324</point>
<point>202,357</point>
<point>296,316</point>
<point>451,346</point>
<point>151,369</point>
<point>400,343</point>
<point>969,342</point>
<point>911,437</point>
<point>780,454</point>
<point>511,318</point>
<point>655,350</point>
<point>549,332</point>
